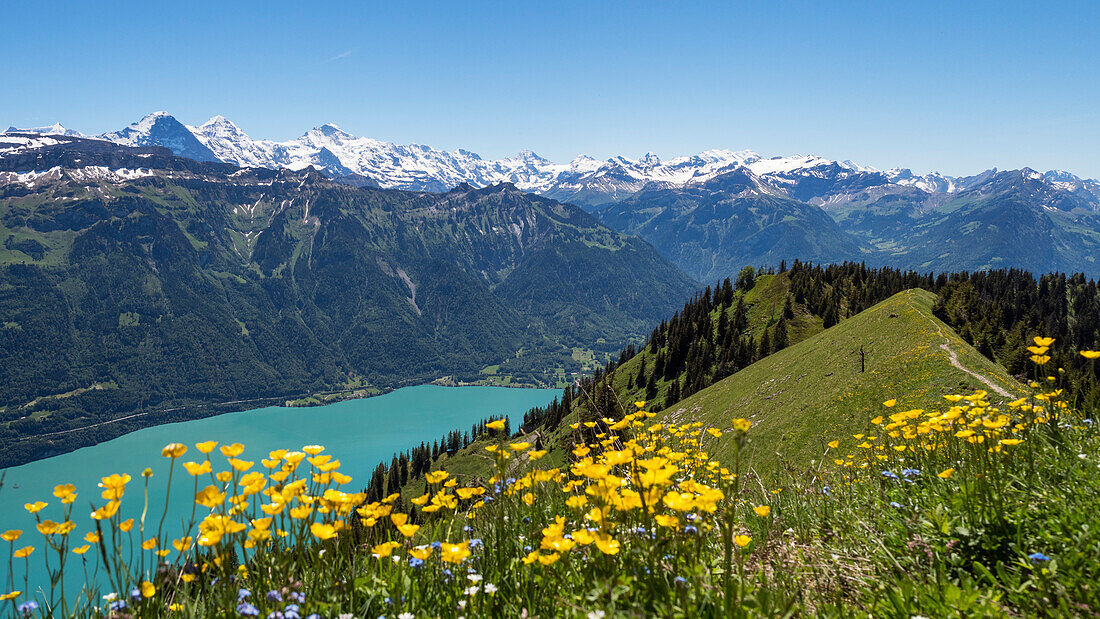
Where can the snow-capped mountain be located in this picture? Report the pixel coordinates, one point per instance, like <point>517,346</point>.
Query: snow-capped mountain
<point>54,129</point>
<point>162,129</point>
<point>585,181</point>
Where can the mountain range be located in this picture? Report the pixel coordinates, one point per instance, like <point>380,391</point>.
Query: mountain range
<point>134,280</point>
<point>584,181</point>
<point>715,211</point>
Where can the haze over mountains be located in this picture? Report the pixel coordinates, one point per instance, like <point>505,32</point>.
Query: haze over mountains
<point>715,211</point>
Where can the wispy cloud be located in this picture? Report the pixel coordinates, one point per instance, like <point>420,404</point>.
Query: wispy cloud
<point>343,54</point>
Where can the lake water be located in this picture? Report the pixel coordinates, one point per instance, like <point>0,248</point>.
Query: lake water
<point>360,433</point>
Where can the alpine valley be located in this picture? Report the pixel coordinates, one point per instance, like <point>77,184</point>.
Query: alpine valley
<point>141,284</point>
<point>165,272</point>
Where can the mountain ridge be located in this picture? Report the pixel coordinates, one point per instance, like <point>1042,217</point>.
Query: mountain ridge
<point>180,283</point>
<point>584,181</point>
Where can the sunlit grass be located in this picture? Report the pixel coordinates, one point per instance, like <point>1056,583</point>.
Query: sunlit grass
<point>972,509</point>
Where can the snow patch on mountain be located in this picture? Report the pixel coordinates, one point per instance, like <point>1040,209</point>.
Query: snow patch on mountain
<point>54,129</point>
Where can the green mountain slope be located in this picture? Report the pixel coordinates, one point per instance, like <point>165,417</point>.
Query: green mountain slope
<point>712,229</point>
<point>173,284</point>
<point>803,396</point>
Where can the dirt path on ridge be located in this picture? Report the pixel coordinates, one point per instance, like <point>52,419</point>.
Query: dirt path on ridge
<point>954,357</point>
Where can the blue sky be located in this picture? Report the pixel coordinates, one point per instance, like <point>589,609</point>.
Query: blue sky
<point>953,86</point>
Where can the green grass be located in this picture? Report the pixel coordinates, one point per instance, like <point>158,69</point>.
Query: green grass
<point>812,392</point>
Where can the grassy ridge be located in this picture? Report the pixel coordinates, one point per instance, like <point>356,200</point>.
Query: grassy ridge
<point>812,390</point>
<point>802,397</point>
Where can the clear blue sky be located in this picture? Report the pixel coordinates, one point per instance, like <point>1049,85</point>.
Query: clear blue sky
<point>950,86</point>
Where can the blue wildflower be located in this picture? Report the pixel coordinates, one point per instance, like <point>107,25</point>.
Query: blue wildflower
<point>436,545</point>
<point>116,605</point>
<point>26,608</point>
<point>274,596</point>
<point>910,472</point>
<point>292,612</point>
<point>476,543</point>
<point>243,594</point>
<point>826,491</point>
<point>248,610</point>
<point>135,594</point>
<point>895,504</point>
<point>1038,557</point>
<point>414,562</point>
<point>297,596</point>
<point>690,529</point>
<point>889,475</point>
<point>680,581</point>
<point>275,615</point>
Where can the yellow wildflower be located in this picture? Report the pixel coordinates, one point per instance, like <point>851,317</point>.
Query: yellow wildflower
<point>323,531</point>
<point>454,553</point>
<point>173,450</point>
<point>35,507</point>
<point>435,477</point>
<point>232,451</point>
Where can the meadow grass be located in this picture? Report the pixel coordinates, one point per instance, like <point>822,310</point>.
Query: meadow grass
<point>966,509</point>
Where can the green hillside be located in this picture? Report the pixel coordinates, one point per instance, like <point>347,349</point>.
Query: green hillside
<point>812,392</point>
<point>196,284</point>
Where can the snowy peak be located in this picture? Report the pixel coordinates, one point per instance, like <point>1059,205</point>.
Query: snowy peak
<point>54,129</point>
<point>584,180</point>
<point>162,129</point>
<point>219,126</point>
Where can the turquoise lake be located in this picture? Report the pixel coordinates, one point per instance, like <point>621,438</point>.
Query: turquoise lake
<point>360,433</point>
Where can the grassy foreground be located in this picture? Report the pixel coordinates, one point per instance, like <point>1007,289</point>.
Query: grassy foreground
<point>967,509</point>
